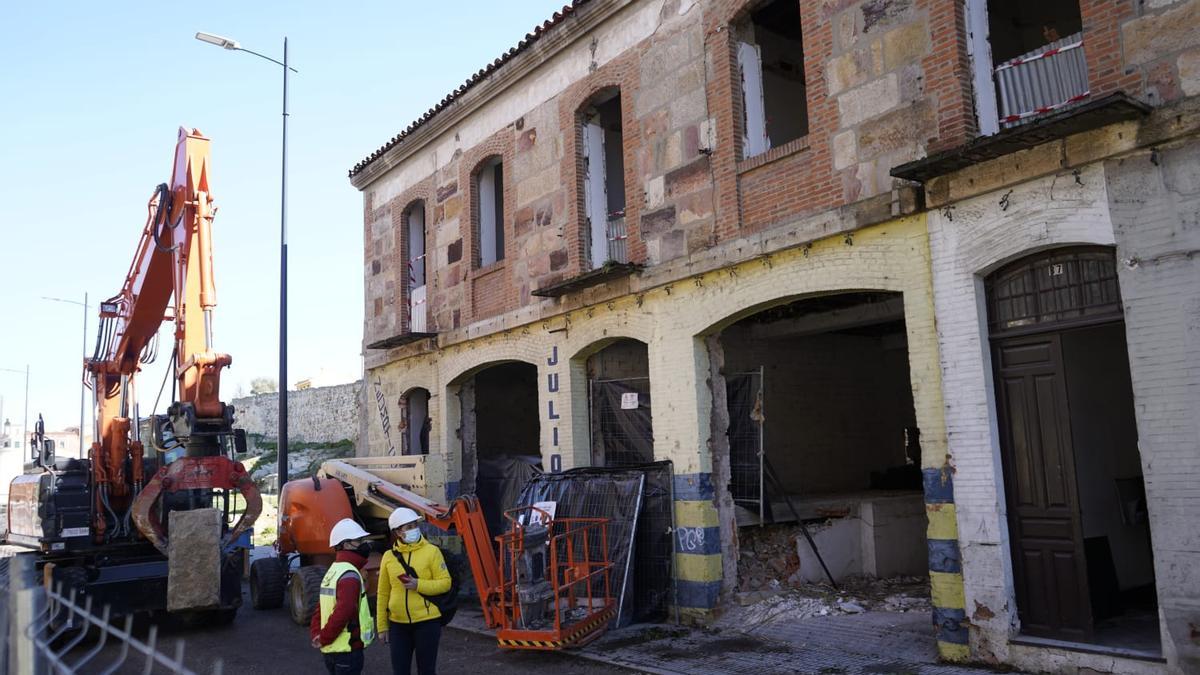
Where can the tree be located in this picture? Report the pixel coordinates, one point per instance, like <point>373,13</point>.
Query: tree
<point>263,385</point>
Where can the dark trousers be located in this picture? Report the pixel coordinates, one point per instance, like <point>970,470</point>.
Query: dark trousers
<point>422,637</point>
<point>345,663</point>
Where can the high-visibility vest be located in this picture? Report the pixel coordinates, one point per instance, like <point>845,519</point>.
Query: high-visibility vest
<point>366,624</point>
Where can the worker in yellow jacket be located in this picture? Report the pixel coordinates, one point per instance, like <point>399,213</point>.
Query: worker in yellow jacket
<point>406,620</point>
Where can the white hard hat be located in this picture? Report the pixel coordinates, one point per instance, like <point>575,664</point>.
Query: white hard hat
<point>344,530</point>
<point>401,517</point>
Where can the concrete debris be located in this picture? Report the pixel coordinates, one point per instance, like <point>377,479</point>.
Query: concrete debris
<point>771,587</point>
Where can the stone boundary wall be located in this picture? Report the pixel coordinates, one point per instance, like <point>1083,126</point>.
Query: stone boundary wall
<point>317,415</point>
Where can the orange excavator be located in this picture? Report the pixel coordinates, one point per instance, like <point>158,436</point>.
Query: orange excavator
<point>102,525</point>
<point>544,584</point>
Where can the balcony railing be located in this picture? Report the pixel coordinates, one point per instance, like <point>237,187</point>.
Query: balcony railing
<point>417,310</point>
<point>618,237</point>
<point>1045,79</point>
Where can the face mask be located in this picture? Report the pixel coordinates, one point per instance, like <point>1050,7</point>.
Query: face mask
<point>411,536</point>
<point>363,549</point>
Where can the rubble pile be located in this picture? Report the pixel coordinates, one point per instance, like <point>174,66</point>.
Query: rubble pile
<point>768,560</point>
<point>770,588</point>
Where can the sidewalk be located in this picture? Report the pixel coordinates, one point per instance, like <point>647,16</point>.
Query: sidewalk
<point>875,642</point>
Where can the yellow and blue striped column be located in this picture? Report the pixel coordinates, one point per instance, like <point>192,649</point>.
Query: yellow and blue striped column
<point>945,565</point>
<point>697,546</point>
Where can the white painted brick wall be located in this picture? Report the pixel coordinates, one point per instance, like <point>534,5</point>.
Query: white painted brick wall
<point>976,237</point>
<point>1156,215</point>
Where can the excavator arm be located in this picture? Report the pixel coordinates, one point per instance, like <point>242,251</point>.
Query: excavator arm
<point>169,280</point>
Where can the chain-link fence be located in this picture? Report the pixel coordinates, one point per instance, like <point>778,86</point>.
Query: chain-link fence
<point>622,433</point>
<point>55,630</point>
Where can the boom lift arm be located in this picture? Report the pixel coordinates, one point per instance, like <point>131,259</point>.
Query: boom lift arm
<point>464,516</point>
<point>542,584</point>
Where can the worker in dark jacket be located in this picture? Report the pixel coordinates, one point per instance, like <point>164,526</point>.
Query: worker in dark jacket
<point>343,626</point>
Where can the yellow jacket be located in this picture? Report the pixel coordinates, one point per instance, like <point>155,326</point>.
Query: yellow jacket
<point>403,605</point>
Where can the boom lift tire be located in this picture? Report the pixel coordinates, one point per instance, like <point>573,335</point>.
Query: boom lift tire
<point>304,592</point>
<point>268,581</point>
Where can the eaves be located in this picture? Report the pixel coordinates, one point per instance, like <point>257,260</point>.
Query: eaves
<point>584,20</point>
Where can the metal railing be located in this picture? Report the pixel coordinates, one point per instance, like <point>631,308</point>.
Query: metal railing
<point>618,236</point>
<point>1043,80</point>
<point>53,632</point>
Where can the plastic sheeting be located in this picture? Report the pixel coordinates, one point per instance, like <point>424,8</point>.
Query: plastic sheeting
<point>621,409</point>
<point>637,502</point>
<point>499,483</point>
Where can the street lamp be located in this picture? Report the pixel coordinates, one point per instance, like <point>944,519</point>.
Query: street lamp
<point>233,45</point>
<point>25,423</point>
<point>82,385</point>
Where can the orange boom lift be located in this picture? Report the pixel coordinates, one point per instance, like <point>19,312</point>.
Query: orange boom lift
<point>545,584</point>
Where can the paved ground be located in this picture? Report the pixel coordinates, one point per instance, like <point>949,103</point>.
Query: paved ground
<point>872,643</point>
<point>262,642</point>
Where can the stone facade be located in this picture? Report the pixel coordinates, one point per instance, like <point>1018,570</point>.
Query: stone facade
<point>720,236</point>
<point>316,415</point>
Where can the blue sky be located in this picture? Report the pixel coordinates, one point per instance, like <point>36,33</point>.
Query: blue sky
<point>93,95</point>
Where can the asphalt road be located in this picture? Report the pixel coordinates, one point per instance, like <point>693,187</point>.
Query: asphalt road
<point>268,642</point>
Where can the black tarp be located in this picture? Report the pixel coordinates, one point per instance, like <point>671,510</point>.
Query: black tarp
<point>498,485</point>
<point>625,436</point>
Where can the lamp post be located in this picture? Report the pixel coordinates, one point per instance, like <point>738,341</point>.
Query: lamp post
<point>25,422</point>
<point>233,45</point>
<point>82,386</point>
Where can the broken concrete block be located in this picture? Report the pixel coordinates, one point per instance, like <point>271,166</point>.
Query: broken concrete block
<point>194,560</point>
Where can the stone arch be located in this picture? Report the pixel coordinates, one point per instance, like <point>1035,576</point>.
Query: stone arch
<point>416,420</point>
<point>495,410</point>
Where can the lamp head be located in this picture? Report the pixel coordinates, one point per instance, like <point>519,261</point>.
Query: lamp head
<point>218,40</point>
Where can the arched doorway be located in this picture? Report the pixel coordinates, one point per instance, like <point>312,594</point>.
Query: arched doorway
<point>619,405</point>
<point>500,433</point>
<point>1078,524</point>
<point>417,422</point>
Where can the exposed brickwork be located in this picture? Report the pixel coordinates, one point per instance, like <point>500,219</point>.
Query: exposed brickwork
<point>490,287</point>
<point>620,75</point>
<point>422,194</point>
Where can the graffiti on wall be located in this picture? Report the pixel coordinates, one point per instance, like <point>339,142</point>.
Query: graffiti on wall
<point>384,420</point>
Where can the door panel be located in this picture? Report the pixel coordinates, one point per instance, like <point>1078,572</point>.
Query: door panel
<point>1039,470</point>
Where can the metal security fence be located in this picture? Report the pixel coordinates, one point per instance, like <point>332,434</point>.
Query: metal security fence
<point>622,432</point>
<point>744,398</point>
<point>55,631</point>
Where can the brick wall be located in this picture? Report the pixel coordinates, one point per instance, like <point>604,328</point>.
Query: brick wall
<point>967,242</point>
<point>887,81</point>
<point>680,110</point>
<point>1155,206</point>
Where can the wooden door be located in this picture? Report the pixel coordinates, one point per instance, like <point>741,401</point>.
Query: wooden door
<point>1039,478</point>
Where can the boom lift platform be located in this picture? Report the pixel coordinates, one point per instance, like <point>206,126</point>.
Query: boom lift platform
<point>543,585</point>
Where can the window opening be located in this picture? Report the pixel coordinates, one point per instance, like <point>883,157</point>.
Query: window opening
<point>489,183</point>
<point>1034,49</point>
<point>416,268</point>
<point>1055,288</point>
<point>770,55</point>
<point>604,182</point>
